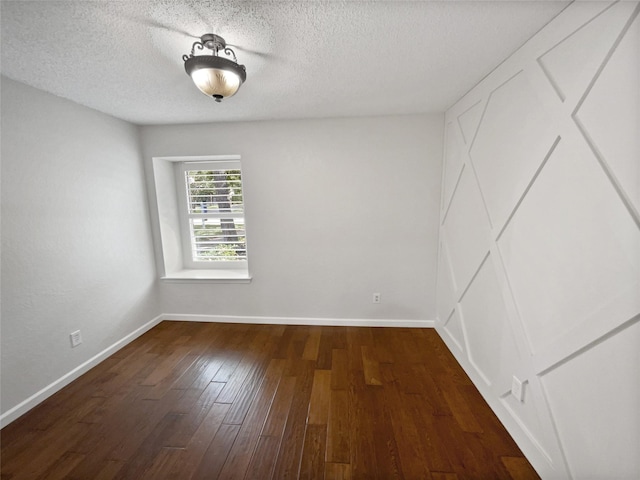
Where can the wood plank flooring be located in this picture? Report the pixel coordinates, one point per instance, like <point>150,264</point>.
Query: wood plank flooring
<point>227,401</point>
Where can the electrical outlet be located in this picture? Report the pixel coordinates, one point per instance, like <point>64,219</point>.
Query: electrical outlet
<point>376,298</point>
<point>76,338</point>
<point>517,388</point>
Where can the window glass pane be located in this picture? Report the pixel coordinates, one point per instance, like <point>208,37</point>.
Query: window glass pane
<point>215,239</point>
<point>218,191</point>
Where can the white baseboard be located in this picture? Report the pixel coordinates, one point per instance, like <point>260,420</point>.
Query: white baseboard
<point>534,453</point>
<point>328,322</point>
<point>26,405</point>
<point>38,397</point>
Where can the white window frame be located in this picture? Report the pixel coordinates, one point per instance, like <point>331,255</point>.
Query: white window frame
<point>172,235</point>
<point>183,204</point>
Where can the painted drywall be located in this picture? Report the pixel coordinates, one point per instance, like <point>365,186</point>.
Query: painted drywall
<point>76,241</point>
<point>336,210</point>
<point>539,264</point>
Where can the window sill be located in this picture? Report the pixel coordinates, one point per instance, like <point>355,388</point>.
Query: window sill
<point>208,276</point>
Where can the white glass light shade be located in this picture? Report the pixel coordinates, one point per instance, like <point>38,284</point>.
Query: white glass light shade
<point>212,81</point>
<point>215,76</point>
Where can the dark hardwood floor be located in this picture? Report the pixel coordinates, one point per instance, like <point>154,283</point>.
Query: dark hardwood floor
<point>226,401</point>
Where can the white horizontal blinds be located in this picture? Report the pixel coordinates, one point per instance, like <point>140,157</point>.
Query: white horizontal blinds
<point>212,191</point>
<point>216,212</point>
<point>218,239</point>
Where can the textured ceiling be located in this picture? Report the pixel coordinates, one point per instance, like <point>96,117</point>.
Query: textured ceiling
<point>303,58</point>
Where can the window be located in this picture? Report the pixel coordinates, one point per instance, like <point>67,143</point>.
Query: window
<point>200,226</point>
<point>212,215</point>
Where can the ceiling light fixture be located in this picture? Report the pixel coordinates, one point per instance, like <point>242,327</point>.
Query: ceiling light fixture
<point>215,76</point>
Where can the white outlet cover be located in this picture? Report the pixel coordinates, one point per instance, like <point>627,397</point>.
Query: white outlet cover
<point>517,388</point>
<point>76,338</point>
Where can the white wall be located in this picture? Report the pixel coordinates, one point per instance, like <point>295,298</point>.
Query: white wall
<point>539,266</point>
<point>336,210</point>
<point>76,242</point>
